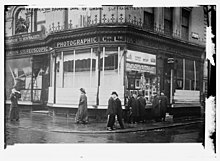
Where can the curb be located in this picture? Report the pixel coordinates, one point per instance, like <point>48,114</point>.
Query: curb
<point>126,130</point>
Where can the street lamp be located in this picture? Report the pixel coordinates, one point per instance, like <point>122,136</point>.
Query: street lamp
<point>170,61</point>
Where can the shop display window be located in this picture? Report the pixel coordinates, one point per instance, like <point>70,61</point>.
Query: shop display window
<point>19,72</point>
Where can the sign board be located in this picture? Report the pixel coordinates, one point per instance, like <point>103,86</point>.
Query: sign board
<point>140,68</point>
<point>28,51</point>
<point>140,57</point>
<point>90,40</point>
<point>195,35</point>
<point>24,37</point>
<point>170,60</point>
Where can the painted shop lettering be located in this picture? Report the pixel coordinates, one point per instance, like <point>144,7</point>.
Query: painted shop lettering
<point>77,42</point>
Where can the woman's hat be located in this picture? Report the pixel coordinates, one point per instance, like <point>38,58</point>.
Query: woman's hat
<point>83,90</point>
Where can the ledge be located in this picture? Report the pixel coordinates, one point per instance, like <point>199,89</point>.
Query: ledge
<point>23,103</point>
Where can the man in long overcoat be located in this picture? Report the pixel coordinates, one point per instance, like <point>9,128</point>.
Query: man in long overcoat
<point>111,111</point>
<point>119,112</point>
<point>141,106</point>
<point>133,104</point>
<point>156,107</point>
<point>163,105</point>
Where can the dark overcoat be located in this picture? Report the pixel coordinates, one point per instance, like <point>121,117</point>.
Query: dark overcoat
<point>141,105</point>
<point>118,107</point>
<point>112,109</point>
<point>156,106</point>
<point>163,104</point>
<point>133,104</point>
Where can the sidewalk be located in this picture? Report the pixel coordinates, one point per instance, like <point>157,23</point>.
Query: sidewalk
<point>42,121</point>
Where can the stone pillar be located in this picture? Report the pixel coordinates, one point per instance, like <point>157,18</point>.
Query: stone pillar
<point>65,19</point>
<point>74,67</point>
<point>159,19</point>
<point>61,70</point>
<point>177,21</point>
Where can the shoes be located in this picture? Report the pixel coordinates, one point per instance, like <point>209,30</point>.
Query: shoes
<point>109,129</point>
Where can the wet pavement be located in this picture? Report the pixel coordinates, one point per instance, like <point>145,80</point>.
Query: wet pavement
<point>42,128</point>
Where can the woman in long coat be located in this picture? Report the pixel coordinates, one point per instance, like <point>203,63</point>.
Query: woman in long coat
<point>14,111</point>
<point>133,104</point>
<point>82,114</point>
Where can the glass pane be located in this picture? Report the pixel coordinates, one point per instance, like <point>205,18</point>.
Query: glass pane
<point>19,72</point>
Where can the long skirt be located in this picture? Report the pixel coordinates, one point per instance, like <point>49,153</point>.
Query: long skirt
<point>14,113</point>
<point>81,115</point>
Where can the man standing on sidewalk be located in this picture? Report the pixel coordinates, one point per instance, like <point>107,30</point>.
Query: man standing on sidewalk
<point>156,107</point>
<point>119,111</point>
<point>141,106</point>
<point>163,105</point>
<point>111,111</point>
<point>133,104</point>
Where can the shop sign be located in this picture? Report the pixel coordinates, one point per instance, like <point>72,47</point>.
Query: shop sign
<point>170,60</point>
<point>140,68</point>
<point>24,37</point>
<point>28,51</point>
<point>90,41</point>
<point>139,57</point>
<point>77,42</point>
<point>112,38</point>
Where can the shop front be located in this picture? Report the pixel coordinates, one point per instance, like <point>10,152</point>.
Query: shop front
<point>93,63</point>
<point>28,69</point>
<point>141,74</point>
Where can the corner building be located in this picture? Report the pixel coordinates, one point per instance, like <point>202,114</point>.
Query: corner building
<point>113,48</point>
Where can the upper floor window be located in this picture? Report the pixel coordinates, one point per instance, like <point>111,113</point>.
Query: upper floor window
<point>168,20</point>
<point>149,20</point>
<point>22,22</point>
<point>185,24</point>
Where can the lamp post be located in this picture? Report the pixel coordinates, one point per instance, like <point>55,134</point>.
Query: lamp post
<point>170,61</point>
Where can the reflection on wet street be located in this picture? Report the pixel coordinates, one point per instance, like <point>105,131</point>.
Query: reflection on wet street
<point>35,132</point>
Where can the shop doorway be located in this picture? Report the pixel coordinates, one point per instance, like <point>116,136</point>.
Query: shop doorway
<point>40,78</point>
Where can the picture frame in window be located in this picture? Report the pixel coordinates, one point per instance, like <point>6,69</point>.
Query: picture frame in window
<point>137,84</point>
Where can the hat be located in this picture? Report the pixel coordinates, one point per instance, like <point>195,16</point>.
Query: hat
<point>82,90</point>
<point>115,93</point>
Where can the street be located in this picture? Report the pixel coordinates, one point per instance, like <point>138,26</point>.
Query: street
<point>44,129</point>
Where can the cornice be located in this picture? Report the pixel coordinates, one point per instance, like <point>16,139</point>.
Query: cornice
<point>152,39</point>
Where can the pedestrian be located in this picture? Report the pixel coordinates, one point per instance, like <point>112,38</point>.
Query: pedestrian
<point>163,105</point>
<point>126,110</point>
<point>82,114</point>
<point>111,111</point>
<point>156,107</point>
<point>119,111</point>
<point>141,106</point>
<point>133,104</point>
<point>14,110</point>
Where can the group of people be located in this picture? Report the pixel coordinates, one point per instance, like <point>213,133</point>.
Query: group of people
<point>114,110</point>
<point>135,109</point>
